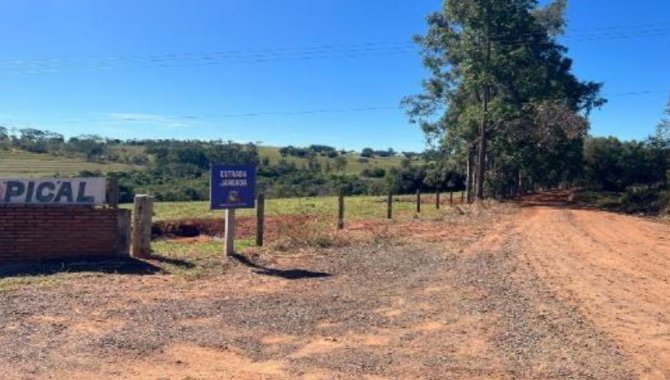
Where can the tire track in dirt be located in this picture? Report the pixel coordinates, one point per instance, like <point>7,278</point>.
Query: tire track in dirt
<point>614,269</point>
<point>538,335</point>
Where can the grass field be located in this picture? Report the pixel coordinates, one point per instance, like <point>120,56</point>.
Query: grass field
<point>24,164</point>
<point>356,208</point>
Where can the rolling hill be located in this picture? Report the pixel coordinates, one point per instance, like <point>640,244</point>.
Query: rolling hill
<point>17,163</point>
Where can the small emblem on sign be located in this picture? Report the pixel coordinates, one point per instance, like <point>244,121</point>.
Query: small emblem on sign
<point>233,197</point>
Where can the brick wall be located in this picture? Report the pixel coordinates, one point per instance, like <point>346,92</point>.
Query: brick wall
<point>37,233</point>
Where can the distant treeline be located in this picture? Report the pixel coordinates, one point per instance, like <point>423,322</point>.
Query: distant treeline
<point>330,152</point>
<point>175,170</point>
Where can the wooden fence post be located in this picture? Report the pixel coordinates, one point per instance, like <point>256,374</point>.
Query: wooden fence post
<point>462,197</point>
<point>437,199</point>
<point>340,211</point>
<point>141,233</point>
<point>229,233</point>
<point>451,198</point>
<point>418,201</point>
<point>389,206</point>
<point>260,219</point>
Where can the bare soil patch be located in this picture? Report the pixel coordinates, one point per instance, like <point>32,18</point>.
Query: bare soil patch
<point>245,226</point>
<point>614,268</point>
<point>500,292</point>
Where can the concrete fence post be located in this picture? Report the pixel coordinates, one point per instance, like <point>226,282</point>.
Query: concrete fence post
<point>229,233</point>
<point>123,232</point>
<point>141,231</point>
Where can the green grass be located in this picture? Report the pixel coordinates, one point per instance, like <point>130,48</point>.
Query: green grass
<point>13,283</point>
<point>33,165</point>
<point>356,208</point>
<point>193,260</point>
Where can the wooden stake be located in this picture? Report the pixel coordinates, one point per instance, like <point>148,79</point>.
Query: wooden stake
<point>260,219</point>
<point>437,199</point>
<point>389,206</point>
<point>451,198</point>
<point>340,211</point>
<point>418,201</point>
<point>229,233</point>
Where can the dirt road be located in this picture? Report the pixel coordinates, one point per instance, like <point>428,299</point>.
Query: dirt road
<point>545,290</point>
<point>615,268</point>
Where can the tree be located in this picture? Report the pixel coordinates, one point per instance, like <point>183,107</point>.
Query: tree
<point>373,172</point>
<point>313,163</point>
<point>497,72</point>
<point>38,141</point>
<point>340,163</point>
<point>91,146</point>
<point>663,128</point>
<point>4,138</point>
<point>614,165</point>
<point>661,142</point>
<point>367,152</point>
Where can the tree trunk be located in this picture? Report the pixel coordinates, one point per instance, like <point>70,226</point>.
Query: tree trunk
<point>468,185</point>
<point>481,159</point>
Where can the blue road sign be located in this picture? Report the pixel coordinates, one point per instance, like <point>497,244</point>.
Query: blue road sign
<point>232,186</point>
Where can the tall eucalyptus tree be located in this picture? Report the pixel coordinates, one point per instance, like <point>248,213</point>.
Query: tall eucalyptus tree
<point>501,94</point>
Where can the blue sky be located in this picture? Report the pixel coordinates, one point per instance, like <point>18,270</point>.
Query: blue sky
<point>196,69</point>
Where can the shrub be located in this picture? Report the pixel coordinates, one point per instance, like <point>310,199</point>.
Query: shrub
<point>647,201</point>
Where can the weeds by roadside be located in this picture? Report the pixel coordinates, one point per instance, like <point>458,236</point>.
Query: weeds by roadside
<point>306,233</point>
<point>13,283</point>
<point>632,201</point>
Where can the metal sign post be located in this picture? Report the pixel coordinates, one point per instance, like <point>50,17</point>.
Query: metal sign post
<point>232,187</point>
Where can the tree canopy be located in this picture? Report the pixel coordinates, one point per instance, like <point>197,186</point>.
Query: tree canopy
<point>501,98</point>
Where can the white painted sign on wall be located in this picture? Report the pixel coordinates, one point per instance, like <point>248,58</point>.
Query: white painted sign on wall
<point>63,191</point>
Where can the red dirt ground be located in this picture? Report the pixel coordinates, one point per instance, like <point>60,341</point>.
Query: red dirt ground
<point>550,290</point>
<point>616,268</point>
